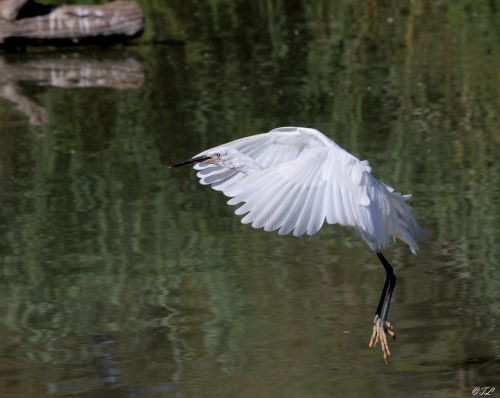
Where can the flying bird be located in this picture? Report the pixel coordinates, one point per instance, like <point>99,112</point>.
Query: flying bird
<point>293,179</point>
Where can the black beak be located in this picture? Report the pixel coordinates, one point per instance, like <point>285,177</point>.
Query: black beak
<point>191,161</point>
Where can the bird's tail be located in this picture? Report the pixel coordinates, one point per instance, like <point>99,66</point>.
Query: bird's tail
<point>404,226</point>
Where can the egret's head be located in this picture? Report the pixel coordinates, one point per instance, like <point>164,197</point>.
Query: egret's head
<point>218,155</point>
<point>213,156</point>
<point>226,157</point>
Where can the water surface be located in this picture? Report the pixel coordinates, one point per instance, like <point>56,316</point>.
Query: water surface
<point>120,277</point>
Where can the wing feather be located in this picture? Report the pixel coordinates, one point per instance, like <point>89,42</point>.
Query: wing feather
<point>285,201</point>
<point>217,176</point>
<point>305,213</point>
<point>331,214</point>
<point>290,221</point>
<point>318,212</point>
<point>222,184</point>
<point>308,207</point>
<point>214,169</point>
<point>272,201</point>
<point>256,196</point>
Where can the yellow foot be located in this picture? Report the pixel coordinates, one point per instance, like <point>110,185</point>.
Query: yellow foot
<point>380,335</point>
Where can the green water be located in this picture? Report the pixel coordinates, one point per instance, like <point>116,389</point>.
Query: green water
<point>120,277</point>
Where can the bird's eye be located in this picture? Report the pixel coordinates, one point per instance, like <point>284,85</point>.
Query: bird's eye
<point>217,154</point>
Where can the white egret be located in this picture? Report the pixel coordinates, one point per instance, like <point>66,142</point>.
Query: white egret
<point>293,179</point>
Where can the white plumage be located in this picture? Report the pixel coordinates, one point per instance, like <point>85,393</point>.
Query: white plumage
<point>292,179</point>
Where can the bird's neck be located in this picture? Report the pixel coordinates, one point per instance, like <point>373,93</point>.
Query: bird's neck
<point>249,170</point>
<point>246,166</point>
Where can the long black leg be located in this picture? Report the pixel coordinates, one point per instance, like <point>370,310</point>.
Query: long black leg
<point>382,297</point>
<point>389,285</point>
<point>380,325</point>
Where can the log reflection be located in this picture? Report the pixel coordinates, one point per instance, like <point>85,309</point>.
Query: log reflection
<point>122,71</point>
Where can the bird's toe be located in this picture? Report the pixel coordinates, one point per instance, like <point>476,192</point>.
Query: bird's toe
<point>379,334</point>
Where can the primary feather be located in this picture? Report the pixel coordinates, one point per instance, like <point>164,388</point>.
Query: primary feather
<point>292,179</point>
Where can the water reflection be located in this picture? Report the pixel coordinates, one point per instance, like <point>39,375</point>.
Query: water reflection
<point>72,70</point>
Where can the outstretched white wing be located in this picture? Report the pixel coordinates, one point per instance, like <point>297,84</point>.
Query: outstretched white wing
<point>269,149</point>
<point>323,183</point>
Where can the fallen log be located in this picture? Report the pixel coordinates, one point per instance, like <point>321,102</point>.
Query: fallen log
<point>73,22</point>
